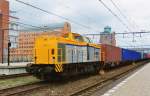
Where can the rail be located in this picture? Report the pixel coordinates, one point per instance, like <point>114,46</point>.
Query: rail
<point>89,90</point>
<point>14,76</point>
<point>22,89</point>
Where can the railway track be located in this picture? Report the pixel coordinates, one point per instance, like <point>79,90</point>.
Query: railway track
<point>13,76</point>
<point>22,89</point>
<point>87,91</point>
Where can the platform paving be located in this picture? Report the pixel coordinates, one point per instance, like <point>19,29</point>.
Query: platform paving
<point>13,68</point>
<point>137,84</point>
<point>18,64</point>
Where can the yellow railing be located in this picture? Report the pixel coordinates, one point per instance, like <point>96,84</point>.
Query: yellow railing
<point>58,65</point>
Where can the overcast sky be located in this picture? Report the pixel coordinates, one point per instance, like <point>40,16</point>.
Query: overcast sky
<point>90,13</point>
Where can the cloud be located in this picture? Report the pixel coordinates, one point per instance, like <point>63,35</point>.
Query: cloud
<point>86,12</point>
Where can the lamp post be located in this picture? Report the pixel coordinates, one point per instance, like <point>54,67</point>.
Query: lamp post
<point>9,45</point>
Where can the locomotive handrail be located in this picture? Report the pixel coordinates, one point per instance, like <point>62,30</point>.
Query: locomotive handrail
<point>60,55</point>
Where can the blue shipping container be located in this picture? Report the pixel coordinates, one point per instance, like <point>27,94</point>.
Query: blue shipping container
<point>130,55</point>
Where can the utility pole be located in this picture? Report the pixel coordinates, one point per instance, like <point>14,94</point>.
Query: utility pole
<point>9,45</point>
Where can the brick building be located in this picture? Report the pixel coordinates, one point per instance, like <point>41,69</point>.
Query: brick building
<point>4,26</point>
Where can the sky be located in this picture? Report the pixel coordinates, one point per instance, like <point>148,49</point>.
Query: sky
<point>92,14</point>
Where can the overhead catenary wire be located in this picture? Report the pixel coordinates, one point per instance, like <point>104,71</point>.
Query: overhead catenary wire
<point>118,16</point>
<point>127,43</point>
<point>42,28</point>
<point>114,14</point>
<point>99,0</point>
<point>139,46</point>
<point>140,32</point>
<point>31,26</point>
<point>121,13</point>
<point>52,13</point>
<point>68,7</point>
<point>25,25</point>
<point>5,21</point>
<point>118,8</point>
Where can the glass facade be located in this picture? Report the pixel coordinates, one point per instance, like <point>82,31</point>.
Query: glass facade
<point>13,33</point>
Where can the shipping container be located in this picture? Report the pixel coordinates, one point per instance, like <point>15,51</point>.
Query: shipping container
<point>148,55</point>
<point>110,54</point>
<point>130,55</point>
<point>143,55</point>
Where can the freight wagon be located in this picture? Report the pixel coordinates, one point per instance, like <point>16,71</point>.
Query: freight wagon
<point>130,55</point>
<point>148,55</point>
<point>143,55</point>
<point>110,55</point>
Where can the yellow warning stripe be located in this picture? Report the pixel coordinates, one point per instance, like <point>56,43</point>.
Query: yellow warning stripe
<point>58,68</point>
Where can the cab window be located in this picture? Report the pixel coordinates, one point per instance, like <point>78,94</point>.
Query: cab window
<point>66,36</point>
<point>86,39</point>
<point>79,38</point>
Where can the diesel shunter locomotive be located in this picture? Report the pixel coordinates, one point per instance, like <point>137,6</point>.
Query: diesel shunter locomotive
<point>67,54</point>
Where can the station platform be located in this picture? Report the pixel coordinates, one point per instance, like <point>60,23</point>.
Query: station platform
<point>18,64</point>
<point>138,84</point>
<point>13,68</point>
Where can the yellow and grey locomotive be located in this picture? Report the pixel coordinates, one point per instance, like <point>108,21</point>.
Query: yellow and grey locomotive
<point>68,54</point>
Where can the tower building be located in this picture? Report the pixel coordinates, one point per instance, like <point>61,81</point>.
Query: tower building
<point>108,37</point>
